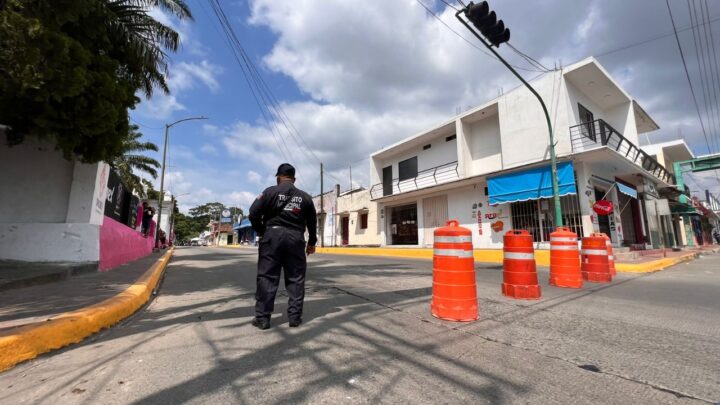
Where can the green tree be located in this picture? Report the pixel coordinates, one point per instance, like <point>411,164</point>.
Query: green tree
<point>190,226</point>
<point>70,69</point>
<point>133,161</point>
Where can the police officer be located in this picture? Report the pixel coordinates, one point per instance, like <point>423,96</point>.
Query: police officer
<point>280,215</point>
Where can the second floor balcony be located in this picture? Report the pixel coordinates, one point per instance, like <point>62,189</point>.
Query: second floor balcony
<point>598,133</point>
<point>425,178</point>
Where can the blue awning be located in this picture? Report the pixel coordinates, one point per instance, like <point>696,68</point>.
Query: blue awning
<point>245,223</point>
<point>628,191</point>
<point>531,184</point>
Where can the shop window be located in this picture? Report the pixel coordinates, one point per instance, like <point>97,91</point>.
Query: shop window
<point>363,221</point>
<point>408,169</point>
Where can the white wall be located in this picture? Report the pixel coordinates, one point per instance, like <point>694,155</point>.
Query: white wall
<point>86,203</point>
<point>484,146</point>
<point>523,125</point>
<point>43,242</point>
<point>35,183</point>
<point>51,209</point>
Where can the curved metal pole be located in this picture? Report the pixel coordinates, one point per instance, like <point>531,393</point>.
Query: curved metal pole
<point>553,163</point>
<point>161,197</point>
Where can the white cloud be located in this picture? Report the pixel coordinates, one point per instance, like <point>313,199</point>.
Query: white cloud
<point>209,149</point>
<point>254,177</point>
<point>184,76</point>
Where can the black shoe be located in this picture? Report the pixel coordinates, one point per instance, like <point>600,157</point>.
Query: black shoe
<point>261,323</point>
<point>294,323</point>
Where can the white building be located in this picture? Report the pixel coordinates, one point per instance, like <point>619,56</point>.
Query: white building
<point>489,167</point>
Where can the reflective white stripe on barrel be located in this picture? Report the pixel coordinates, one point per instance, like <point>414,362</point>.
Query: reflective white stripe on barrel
<point>453,239</point>
<point>594,252</point>
<point>563,239</point>
<point>611,257</point>
<point>453,252</point>
<point>519,256</point>
<point>563,247</point>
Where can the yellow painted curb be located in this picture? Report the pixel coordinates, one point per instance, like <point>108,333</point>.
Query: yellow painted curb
<point>28,341</point>
<point>542,257</point>
<point>654,265</point>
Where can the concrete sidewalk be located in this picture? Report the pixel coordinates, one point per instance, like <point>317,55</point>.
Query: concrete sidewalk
<point>39,318</point>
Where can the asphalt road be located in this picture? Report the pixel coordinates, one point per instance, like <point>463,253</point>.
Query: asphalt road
<point>369,338</point>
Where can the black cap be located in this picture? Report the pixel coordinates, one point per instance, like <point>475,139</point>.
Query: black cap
<point>286,169</point>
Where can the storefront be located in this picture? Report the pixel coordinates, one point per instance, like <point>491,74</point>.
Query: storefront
<point>403,225</point>
<point>529,195</point>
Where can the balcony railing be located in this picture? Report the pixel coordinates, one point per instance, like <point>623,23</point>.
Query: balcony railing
<point>426,178</point>
<point>598,133</point>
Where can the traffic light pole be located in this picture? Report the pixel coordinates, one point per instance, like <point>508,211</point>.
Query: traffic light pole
<point>553,163</point>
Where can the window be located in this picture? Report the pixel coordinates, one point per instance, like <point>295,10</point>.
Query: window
<point>426,147</point>
<point>408,169</point>
<point>363,220</point>
<point>450,138</point>
<point>537,216</point>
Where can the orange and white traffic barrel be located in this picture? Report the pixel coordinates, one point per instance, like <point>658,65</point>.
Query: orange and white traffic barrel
<point>594,259</point>
<point>519,271</point>
<point>611,257</point>
<point>454,291</point>
<point>565,259</point>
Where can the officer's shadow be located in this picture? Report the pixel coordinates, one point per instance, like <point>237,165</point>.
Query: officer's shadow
<point>317,306</point>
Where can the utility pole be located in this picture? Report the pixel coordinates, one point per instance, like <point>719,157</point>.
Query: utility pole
<point>495,32</point>
<point>162,176</point>
<point>351,185</point>
<point>322,212</point>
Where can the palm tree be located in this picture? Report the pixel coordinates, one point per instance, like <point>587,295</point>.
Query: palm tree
<point>145,38</point>
<point>132,161</point>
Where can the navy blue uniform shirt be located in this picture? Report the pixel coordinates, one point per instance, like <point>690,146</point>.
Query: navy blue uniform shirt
<point>297,213</point>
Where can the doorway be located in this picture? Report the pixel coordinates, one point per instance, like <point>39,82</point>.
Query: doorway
<point>603,220</point>
<point>345,230</point>
<point>436,215</point>
<point>403,225</point>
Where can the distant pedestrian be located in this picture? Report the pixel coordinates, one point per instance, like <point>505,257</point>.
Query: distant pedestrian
<point>279,216</point>
<point>716,234</point>
<point>147,217</point>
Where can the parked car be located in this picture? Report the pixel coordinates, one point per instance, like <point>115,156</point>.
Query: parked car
<point>195,242</point>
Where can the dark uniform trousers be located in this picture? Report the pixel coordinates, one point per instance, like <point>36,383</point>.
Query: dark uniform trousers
<point>281,248</point>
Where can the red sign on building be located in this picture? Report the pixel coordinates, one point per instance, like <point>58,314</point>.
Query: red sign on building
<point>603,207</point>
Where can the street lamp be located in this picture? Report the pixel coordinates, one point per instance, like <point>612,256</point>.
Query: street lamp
<point>495,32</point>
<point>161,198</point>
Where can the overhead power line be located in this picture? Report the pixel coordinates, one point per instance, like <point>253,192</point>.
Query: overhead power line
<point>687,74</point>
<point>702,68</point>
<point>712,58</point>
<point>271,109</point>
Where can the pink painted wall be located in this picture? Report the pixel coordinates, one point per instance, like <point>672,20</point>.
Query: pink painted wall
<point>120,244</point>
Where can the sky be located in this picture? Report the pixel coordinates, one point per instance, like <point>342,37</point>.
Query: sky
<point>353,77</point>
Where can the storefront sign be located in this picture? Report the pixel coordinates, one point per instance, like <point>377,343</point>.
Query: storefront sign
<point>603,207</point>
<point>118,197</point>
<point>497,226</point>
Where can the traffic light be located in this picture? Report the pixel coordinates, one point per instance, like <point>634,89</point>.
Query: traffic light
<point>486,21</point>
